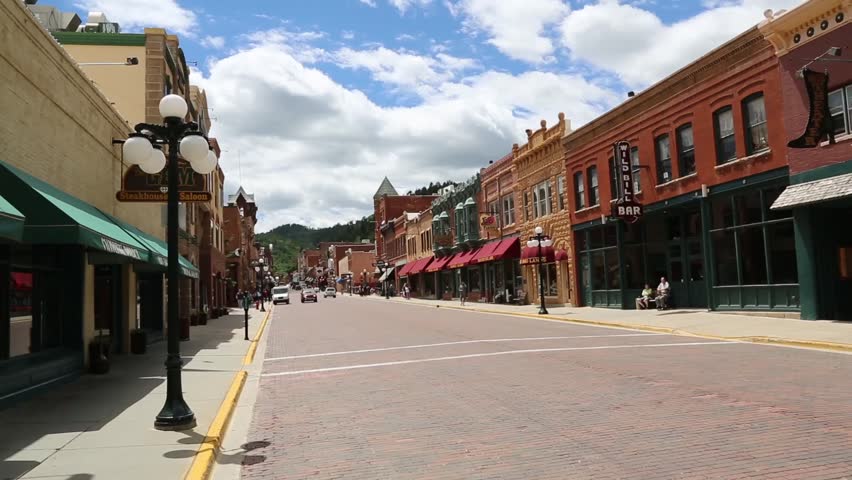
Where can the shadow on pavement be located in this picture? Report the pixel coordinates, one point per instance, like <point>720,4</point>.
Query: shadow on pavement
<point>33,429</point>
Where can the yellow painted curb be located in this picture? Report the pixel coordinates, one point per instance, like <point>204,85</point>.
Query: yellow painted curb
<point>253,347</point>
<point>813,344</point>
<point>205,458</point>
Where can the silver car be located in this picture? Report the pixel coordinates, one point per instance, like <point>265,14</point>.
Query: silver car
<point>329,292</point>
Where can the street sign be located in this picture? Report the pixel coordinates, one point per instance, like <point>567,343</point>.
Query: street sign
<point>626,207</point>
<point>138,186</point>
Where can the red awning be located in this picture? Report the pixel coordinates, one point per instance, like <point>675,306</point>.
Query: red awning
<point>439,263</point>
<point>403,272</point>
<point>486,251</point>
<point>462,259</point>
<point>529,255</point>
<point>561,255</point>
<point>506,248</point>
<point>420,265</point>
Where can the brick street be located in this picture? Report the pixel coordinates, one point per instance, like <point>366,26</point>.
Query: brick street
<point>546,400</point>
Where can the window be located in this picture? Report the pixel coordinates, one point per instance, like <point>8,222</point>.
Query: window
<point>757,134</point>
<point>726,146</point>
<point>840,109</point>
<point>594,198</point>
<point>634,160</point>
<point>579,191</point>
<point>494,209</point>
<point>615,191</point>
<point>527,206</point>
<point>509,210</point>
<point>560,192</point>
<point>542,198</point>
<point>664,160</point>
<point>685,150</point>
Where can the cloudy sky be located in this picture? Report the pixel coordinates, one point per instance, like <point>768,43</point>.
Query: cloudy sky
<point>315,101</point>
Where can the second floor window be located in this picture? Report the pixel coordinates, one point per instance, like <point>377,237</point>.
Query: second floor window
<point>494,209</point>
<point>685,150</point>
<point>757,134</point>
<point>664,160</point>
<point>560,192</point>
<point>840,109</point>
<point>509,210</point>
<point>726,146</point>
<point>614,184</point>
<point>634,160</point>
<point>542,199</point>
<point>526,206</point>
<point>593,186</point>
<point>579,191</point>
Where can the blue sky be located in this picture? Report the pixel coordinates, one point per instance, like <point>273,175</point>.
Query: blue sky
<point>316,101</point>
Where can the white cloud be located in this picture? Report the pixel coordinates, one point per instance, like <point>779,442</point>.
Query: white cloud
<point>403,5</point>
<point>404,69</point>
<point>213,42</point>
<point>347,35</point>
<point>639,47</point>
<point>371,3</point>
<point>405,37</point>
<point>314,151</point>
<point>296,43</point>
<point>138,14</point>
<point>518,29</point>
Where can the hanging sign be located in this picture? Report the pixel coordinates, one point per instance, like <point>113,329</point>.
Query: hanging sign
<point>819,118</point>
<point>488,221</point>
<point>138,186</point>
<point>626,207</point>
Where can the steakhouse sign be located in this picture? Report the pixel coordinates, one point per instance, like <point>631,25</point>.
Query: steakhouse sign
<point>626,207</point>
<point>138,186</point>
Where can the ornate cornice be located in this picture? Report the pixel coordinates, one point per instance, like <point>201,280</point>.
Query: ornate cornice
<point>787,31</point>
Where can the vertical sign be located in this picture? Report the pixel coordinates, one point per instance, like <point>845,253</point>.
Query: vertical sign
<point>819,118</point>
<point>626,207</point>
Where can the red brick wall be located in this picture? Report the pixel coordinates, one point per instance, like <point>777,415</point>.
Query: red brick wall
<point>390,207</point>
<point>498,180</point>
<point>730,86</point>
<point>796,98</point>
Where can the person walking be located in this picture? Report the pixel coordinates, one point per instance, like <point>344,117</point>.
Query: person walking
<point>462,292</point>
<point>406,291</point>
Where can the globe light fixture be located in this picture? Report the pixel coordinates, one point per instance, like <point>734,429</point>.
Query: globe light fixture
<point>540,240</point>
<point>136,149</point>
<point>154,163</point>
<point>173,106</point>
<point>194,148</point>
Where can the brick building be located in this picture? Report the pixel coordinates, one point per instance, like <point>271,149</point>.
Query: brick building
<point>815,35</point>
<point>357,267</point>
<point>388,204</point>
<point>499,229</point>
<point>241,252</point>
<point>708,158</point>
<point>541,202</point>
<point>418,246</point>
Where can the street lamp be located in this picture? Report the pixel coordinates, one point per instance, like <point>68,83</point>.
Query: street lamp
<point>139,149</point>
<point>540,240</point>
<point>259,283</point>
<point>363,280</point>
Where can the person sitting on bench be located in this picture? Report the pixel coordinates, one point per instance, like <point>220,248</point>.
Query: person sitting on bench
<point>663,293</point>
<point>644,301</point>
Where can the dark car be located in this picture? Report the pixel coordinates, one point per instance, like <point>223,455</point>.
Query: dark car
<point>309,295</point>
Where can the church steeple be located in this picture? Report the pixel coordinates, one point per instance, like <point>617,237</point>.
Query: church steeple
<point>386,188</point>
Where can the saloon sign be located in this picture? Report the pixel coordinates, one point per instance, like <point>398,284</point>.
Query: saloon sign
<point>626,207</point>
<point>138,186</point>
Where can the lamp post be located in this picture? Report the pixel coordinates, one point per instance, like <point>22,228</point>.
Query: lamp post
<point>363,280</point>
<point>140,149</point>
<point>540,240</point>
<point>259,283</point>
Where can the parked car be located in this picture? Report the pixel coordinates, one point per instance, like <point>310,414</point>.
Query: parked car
<point>309,295</point>
<point>280,295</point>
<point>329,292</point>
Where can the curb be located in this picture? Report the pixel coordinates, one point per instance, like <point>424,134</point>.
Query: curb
<point>253,347</point>
<point>205,457</point>
<point>811,344</point>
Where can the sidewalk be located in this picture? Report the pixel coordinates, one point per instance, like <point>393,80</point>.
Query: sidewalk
<point>102,426</point>
<point>822,334</point>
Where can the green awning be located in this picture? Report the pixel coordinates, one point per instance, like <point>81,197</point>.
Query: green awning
<point>158,248</point>
<point>11,221</point>
<point>54,217</point>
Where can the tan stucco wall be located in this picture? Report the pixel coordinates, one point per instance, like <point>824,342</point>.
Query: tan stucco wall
<point>124,86</point>
<point>56,125</point>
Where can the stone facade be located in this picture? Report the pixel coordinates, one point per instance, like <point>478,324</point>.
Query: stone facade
<point>240,218</point>
<point>499,198</point>
<point>540,162</point>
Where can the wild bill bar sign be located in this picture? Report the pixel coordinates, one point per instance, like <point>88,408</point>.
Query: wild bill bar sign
<point>626,207</point>
<point>138,186</point>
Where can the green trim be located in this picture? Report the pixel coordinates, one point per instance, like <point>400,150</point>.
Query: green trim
<point>54,217</point>
<point>822,172</point>
<point>674,202</point>
<point>92,38</point>
<point>748,182</point>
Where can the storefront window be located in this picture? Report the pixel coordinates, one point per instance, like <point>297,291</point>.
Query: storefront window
<point>634,266</point>
<point>782,253</point>
<point>550,285</point>
<point>748,208</point>
<point>598,271</point>
<point>725,256</point>
<point>752,256</point>
<point>613,277</point>
<point>20,312</point>
<point>475,280</point>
